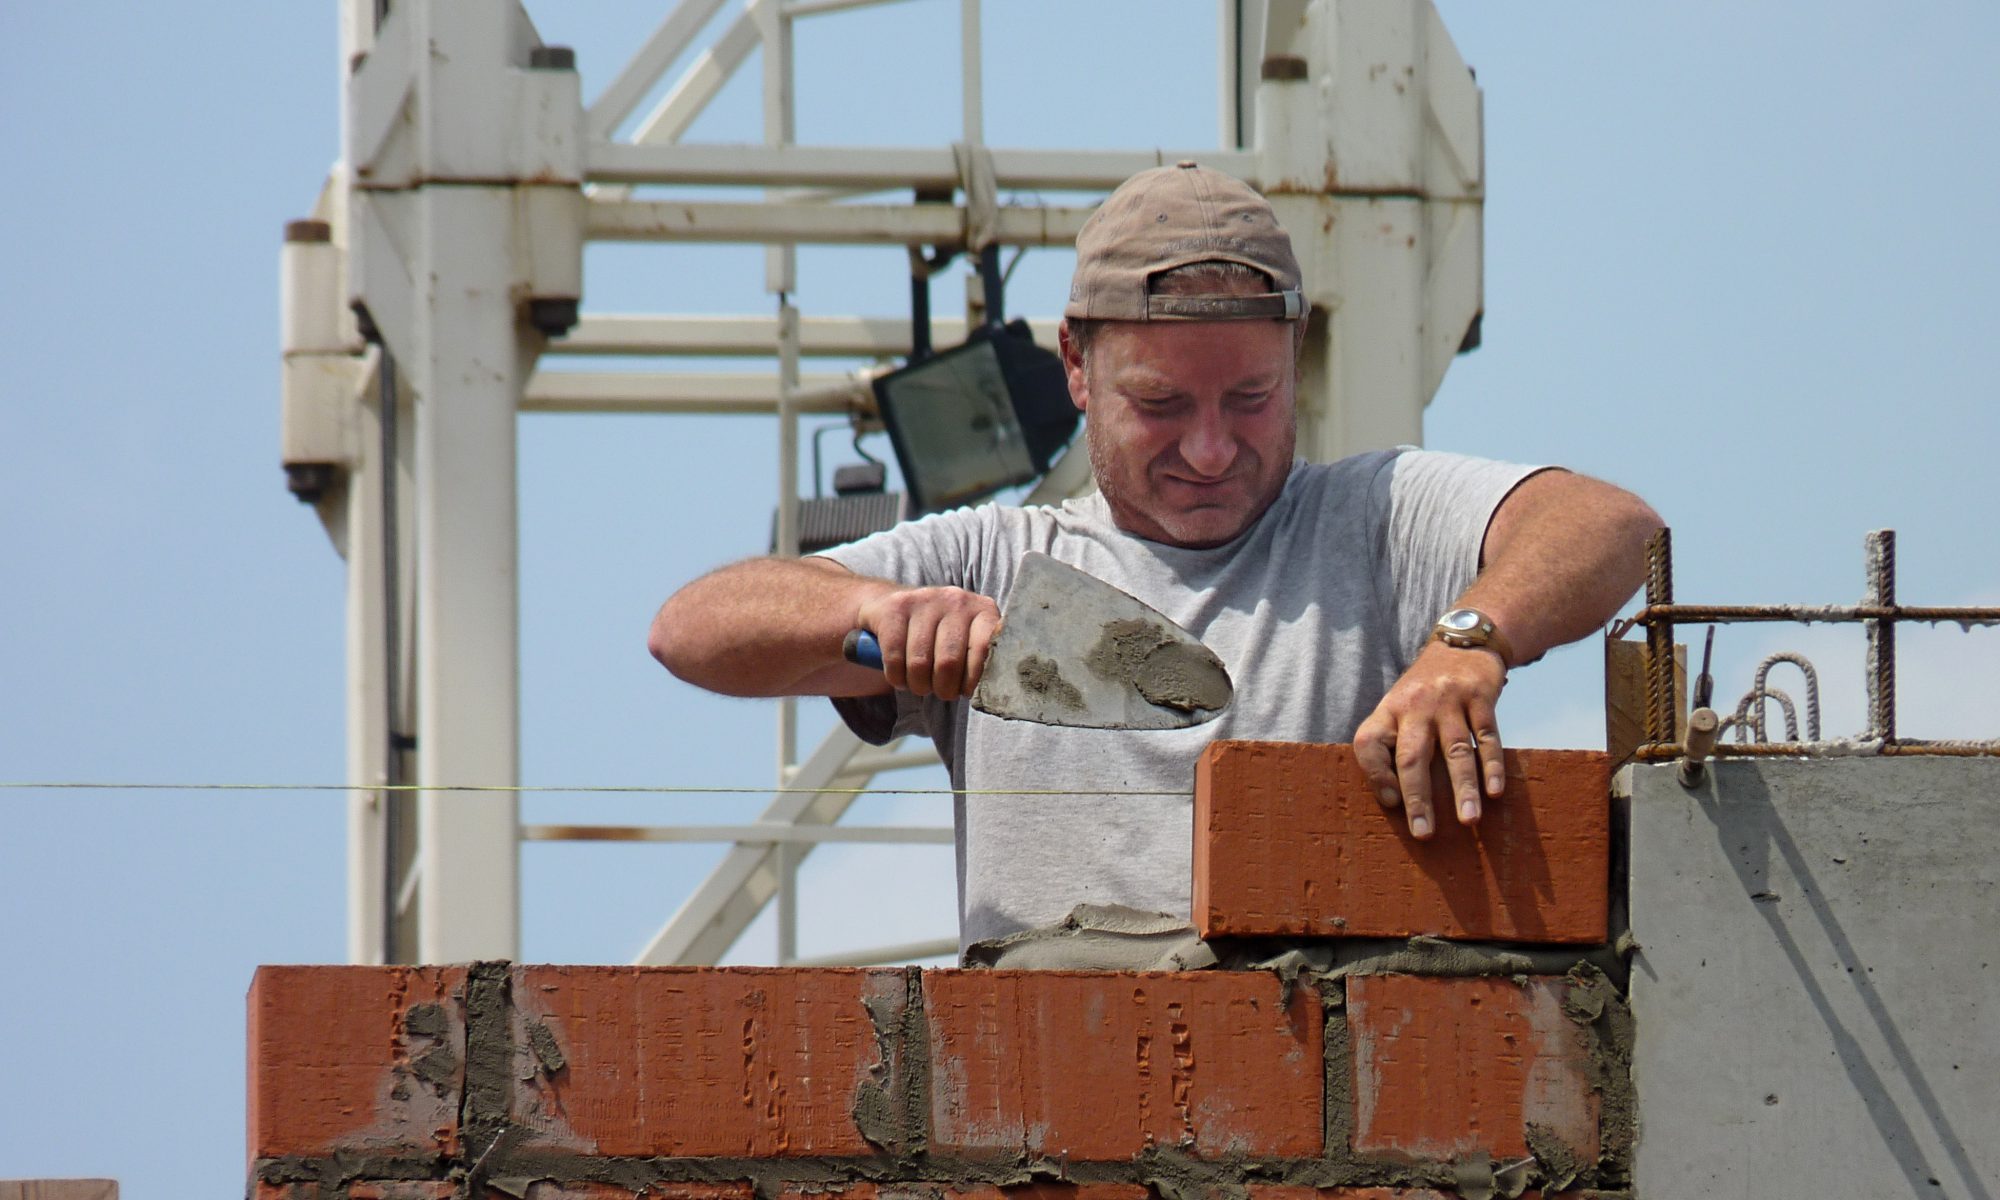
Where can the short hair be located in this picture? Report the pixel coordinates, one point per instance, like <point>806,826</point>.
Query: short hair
<point>1188,279</point>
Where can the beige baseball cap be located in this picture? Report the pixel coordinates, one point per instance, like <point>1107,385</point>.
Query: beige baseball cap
<point>1169,217</point>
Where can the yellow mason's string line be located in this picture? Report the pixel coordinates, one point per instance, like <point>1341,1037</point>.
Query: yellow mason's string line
<point>86,785</point>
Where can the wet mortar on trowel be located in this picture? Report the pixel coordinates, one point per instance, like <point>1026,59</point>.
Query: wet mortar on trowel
<point>1167,672</point>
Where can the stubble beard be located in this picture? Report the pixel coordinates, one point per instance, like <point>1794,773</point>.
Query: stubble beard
<point>1161,526</point>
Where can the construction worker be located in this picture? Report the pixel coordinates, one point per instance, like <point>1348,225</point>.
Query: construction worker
<point>1381,599</point>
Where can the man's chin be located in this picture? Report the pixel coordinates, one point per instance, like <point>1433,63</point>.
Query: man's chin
<point>1203,527</point>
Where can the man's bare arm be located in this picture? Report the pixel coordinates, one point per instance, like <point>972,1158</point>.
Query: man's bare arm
<point>774,627</point>
<point>1560,554</point>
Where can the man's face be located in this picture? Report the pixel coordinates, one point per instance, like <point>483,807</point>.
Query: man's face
<point>1191,423</point>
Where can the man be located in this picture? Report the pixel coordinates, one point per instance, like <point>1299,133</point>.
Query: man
<point>1320,586</point>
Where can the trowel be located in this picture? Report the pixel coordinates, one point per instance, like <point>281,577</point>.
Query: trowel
<point>1073,650</point>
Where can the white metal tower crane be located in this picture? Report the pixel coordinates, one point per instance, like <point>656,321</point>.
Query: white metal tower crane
<point>445,254</point>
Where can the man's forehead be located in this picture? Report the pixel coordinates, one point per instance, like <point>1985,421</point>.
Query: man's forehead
<point>1148,352</point>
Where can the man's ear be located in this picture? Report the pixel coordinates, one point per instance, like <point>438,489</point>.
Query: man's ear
<point>1072,360</point>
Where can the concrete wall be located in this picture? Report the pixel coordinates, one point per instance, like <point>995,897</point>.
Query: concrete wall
<point>1817,988</point>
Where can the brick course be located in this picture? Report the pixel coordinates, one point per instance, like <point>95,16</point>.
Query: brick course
<point>1290,841</point>
<point>681,1083</point>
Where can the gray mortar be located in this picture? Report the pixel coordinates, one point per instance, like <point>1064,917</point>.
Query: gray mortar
<point>334,1173</point>
<point>547,1052</point>
<point>892,1109</point>
<point>1420,955</point>
<point>489,1058</point>
<point>1040,676</point>
<point>1337,1060</point>
<point>1122,648</point>
<point>438,1065</point>
<point>1167,672</point>
<point>1184,676</point>
<point>1561,1162</point>
<point>1595,1004</point>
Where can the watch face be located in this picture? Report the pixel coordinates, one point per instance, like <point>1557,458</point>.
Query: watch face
<point>1464,620</point>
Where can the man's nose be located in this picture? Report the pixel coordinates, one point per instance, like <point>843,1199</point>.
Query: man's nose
<point>1208,445</point>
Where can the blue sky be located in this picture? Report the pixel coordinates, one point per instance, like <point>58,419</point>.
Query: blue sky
<point>1740,259</point>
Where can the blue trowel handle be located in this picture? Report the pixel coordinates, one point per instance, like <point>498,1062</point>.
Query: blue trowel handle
<point>860,647</point>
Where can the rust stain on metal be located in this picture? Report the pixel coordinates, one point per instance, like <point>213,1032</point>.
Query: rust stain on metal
<point>592,833</point>
<point>1807,614</point>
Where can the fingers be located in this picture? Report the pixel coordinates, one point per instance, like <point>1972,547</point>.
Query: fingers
<point>959,648</point>
<point>1414,745</point>
<point>1461,763</point>
<point>1396,755</point>
<point>920,650</point>
<point>979,645</point>
<point>934,641</point>
<point>1492,756</point>
<point>891,627</point>
<point>1375,751</point>
<point>1434,740</point>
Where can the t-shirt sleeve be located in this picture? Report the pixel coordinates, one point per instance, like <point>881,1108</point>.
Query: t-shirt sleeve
<point>1437,509</point>
<point>936,551</point>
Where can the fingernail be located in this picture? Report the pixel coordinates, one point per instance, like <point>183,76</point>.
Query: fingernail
<point>1421,826</point>
<point>1468,810</point>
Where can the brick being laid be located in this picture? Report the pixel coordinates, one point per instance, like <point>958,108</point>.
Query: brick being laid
<point>1290,841</point>
<point>1101,1066</point>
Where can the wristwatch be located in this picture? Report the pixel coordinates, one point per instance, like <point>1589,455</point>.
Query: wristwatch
<point>1470,629</point>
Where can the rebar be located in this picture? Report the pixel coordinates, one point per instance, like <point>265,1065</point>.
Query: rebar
<point>1660,706</point>
<point>1881,547</point>
<point>1836,747</point>
<point>1878,612</point>
<point>1965,615</point>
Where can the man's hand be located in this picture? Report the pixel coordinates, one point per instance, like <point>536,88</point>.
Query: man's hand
<point>1443,706</point>
<point>934,640</point>
<point>774,627</point>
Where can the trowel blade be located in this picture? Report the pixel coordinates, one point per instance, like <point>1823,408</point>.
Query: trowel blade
<point>1073,650</point>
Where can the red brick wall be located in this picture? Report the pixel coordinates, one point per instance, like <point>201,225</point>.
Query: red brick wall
<point>601,1083</point>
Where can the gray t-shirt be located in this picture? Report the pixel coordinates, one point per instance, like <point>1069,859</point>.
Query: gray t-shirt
<point>1316,610</point>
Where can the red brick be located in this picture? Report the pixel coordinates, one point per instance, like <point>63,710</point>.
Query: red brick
<point>356,1058</point>
<point>1101,1065</point>
<point>1448,1067</point>
<point>1289,841</point>
<point>697,1061</point>
<point>549,1189</point>
<point>402,1189</point>
<point>1288,1192</point>
<point>1039,1190</point>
